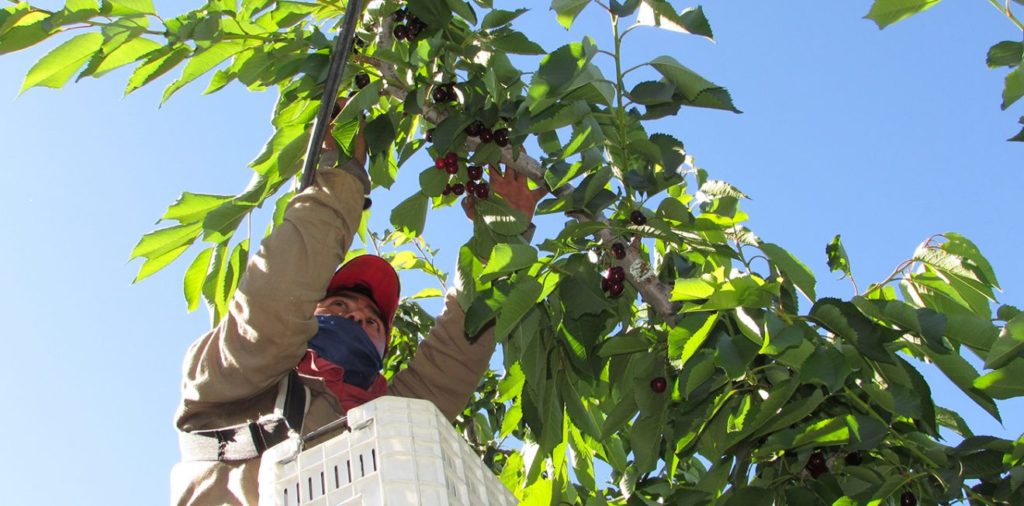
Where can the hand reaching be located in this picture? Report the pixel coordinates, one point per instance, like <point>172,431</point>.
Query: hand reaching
<point>511,186</point>
<point>358,146</point>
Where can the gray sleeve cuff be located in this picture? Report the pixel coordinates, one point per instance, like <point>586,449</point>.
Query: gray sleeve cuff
<point>356,170</point>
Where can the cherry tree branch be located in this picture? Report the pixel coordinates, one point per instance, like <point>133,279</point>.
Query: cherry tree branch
<point>638,270</point>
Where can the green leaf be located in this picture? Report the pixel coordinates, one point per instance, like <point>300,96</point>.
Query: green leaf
<point>220,224</point>
<point>837,259</point>
<point>501,218</point>
<point>514,42</point>
<point>1013,87</point>
<point>826,367</point>
<point>127,7</point>
<point>1005,54</point>
<point>56,68</point>
<point>410,216</point>
<point>435,13</point>
<point>24,29</point>
<point>1020,135</point>
<point>214,288</point>
<point>692,289</point>
<point>195,275</point>
<point>652,92</point>
<point>193,207</point>
<point>463,9</point>
<point>1005,382</point>
<point>511,385</point>
<point>972,257</point>
<point>203,62</point>
<point>623,8</point>
<point>953,421</point>
<point>791,268</point>
<point>660,13</point>
<point>845,320</point>
<point>499,17</point>
<point>131,51</point>
<point>718,189</point>
<point>688,336</point>
<point>749,496</point>
<point>154,263</point>
<point>623,345</point>
<point>695,90</point>
<point>887,12</point>
<point>508,258</point>
<point>159,242</point>
<point>963,375</point>
<point>238,262</point>
<point>558,69</point>
<point>1009,345</point>
<point>923,322</point>
<point>567,10</point>
<point>157,64</point>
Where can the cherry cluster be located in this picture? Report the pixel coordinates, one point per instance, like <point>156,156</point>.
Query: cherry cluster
<point>613,281</point>
<point>614,278</point>
<point>476,186</point>
<point>410,29</point>
<point>486,135</point>
<point>444,93</point>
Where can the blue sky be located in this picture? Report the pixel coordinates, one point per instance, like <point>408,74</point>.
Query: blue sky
<point>884,137</point>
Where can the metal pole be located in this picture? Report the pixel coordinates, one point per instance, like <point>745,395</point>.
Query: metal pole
<point>339,56</point>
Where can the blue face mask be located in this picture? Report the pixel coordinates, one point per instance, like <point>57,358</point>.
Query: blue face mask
<point>344,342</point>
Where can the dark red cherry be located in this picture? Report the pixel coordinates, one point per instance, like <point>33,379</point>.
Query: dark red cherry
<point>618,251</point>
<point>474,128</point>
<point>486,136</point>
<point>908,499</point>
<point>401,32</point>
<point>615,288</point>
<point>501,137</point>
<point>483,190</point>
<point>616,274</point>
<point>362,80</point>
<point>659,384</point>
<point>440,95</point>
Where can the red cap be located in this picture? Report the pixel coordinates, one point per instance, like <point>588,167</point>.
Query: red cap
<point>376,275</point>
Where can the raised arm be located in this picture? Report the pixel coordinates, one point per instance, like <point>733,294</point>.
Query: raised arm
<point>447,368</point>
<point>271,318</point>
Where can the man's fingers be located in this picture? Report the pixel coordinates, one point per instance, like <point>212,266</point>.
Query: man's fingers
<point>469,206</point>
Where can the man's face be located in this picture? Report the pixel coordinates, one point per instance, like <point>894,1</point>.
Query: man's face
<point>360,309</point>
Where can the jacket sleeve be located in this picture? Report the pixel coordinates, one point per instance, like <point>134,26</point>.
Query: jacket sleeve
<point>446,368</point>
<point>271,318</point>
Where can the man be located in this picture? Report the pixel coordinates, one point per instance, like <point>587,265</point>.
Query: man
<point>303,346</point>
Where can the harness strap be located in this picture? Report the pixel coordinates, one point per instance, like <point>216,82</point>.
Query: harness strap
<point>248,441</point>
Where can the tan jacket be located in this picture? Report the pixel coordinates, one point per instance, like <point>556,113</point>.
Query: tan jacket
<point>231,374</point>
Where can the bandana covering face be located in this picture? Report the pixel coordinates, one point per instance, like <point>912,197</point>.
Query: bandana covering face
<point>335,375</point>
<point>344,343</point>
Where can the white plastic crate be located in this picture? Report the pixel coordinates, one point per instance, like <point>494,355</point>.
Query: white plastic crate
<point>398,452</point>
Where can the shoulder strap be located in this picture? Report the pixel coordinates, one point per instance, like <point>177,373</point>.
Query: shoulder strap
<point>249,441</point>
<point>293,401</point>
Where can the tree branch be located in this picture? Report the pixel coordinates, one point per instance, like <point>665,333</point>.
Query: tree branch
<point>638,270</point>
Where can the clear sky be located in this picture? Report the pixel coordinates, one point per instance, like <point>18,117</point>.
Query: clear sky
<point>884,137</point>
